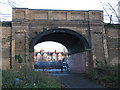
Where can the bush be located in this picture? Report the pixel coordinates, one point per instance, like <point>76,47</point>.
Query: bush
<point>93,74</point>
<point>29,79</point>
<point>106,74</point>
<point>0,78</point>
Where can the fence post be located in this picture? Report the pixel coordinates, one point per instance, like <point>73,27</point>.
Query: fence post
<point>61,68</point>
<point>43,68</point>
<point>67,68</point>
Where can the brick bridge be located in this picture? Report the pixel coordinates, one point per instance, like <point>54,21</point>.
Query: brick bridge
<point>82,32</point>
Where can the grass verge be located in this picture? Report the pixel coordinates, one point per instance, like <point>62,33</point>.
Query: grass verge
<point>106,75</point>
<point>28,78</point>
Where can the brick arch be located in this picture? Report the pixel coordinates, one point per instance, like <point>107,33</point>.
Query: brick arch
<point>72,40</point>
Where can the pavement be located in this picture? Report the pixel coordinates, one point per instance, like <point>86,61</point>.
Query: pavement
<point>74,80</point>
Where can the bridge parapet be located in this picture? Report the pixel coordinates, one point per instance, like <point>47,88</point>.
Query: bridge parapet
<point>25,14</point>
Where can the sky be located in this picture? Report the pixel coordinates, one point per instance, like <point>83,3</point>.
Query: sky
<point>66,4</point>
<point>50,46</point>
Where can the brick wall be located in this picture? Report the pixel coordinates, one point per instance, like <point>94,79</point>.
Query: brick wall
<point>77,62</point>
<point>20,43</point>
<point>113,44</point>
<point>6,31</point>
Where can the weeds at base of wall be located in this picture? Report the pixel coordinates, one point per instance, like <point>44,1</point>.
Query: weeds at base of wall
<point>0,79</point>
<point>106,75</point>
<point>28,78</point>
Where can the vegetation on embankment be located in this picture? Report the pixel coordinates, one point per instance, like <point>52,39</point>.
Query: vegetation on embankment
<point>106,75</point>
<point>0,78</point>
<point>28,78</point>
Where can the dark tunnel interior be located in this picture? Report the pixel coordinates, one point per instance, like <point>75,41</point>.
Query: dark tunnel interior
<point>72,40</point>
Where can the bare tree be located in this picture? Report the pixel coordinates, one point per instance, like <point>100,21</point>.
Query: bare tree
<point>119,11</point>
<point>111,11</point>
<point>6,8</point>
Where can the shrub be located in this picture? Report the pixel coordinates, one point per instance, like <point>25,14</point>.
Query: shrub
<point>93,74</point>
<point>0,78</point>
<point>29,79</point>
<point>107,74</point>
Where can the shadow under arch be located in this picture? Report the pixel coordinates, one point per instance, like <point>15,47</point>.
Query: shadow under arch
<point>71,39</point>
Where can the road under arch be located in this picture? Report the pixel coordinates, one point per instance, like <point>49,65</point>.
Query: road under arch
<point>73,41</point>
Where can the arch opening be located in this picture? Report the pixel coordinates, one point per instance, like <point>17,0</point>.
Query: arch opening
<point>50,51</point>
<point>75,43</point>
<point>51,55</point>
<point>72,40</point>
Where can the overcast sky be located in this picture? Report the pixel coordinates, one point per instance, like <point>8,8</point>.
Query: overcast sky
<point>50,46</point>
<point>66,4</point>
<point>5,6</point>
